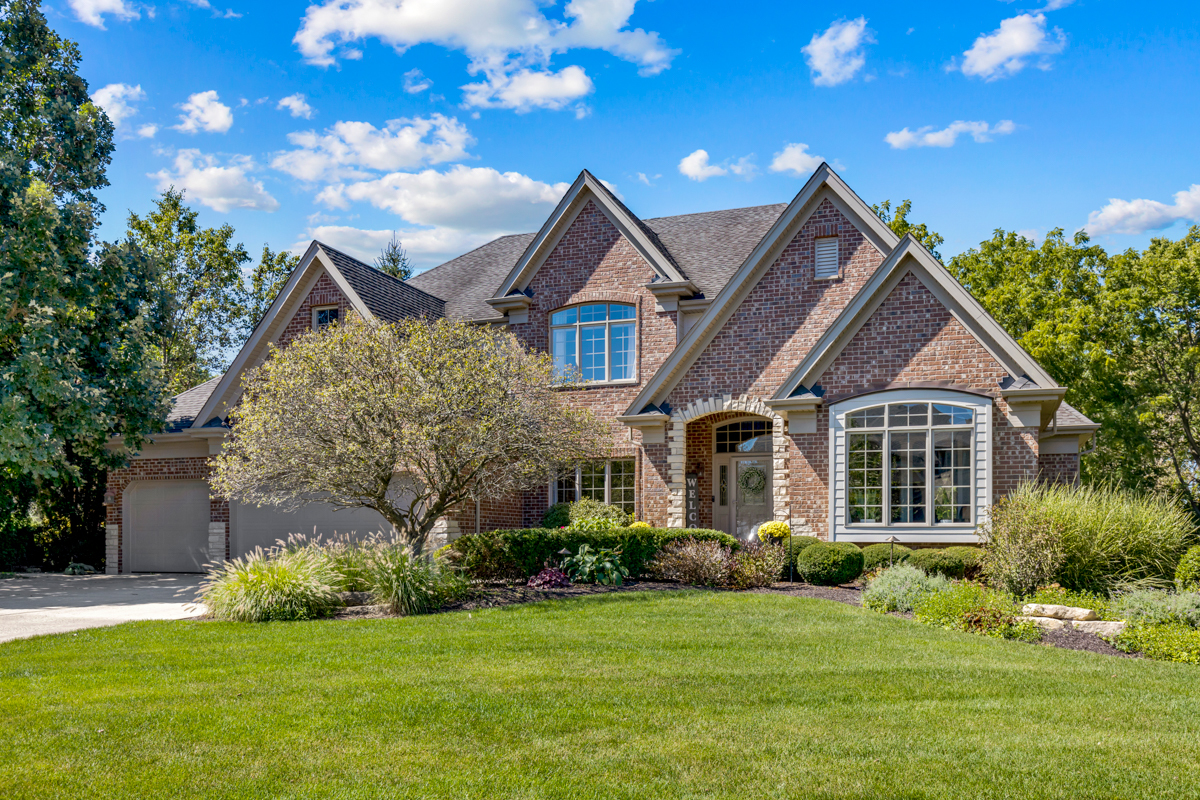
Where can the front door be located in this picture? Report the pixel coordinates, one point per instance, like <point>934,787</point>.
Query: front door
<point>752,504</point>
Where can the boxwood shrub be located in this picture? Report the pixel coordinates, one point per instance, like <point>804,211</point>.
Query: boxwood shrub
<point>797,546</point>
<point>938,561</point>
<point>970,557</point>
<point>879,555</point>
<point>828,564</point>
<point>1187,574</point>
<point>519,554</point>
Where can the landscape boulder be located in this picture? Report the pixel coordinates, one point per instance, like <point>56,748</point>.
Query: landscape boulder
<point>1058,612</point>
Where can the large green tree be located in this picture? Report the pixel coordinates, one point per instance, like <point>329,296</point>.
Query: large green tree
<point>74,362</point>
<point>202,302</point>
<point>897,220</point>
<point>1120,332</point>
<point>267,278</point>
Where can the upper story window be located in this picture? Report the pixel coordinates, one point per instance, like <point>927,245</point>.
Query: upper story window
<point>597,340</point>
<point>324,317</point>
<point>910,463</point>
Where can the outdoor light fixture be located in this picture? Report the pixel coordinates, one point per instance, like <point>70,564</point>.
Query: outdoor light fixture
<point>892,550</point>
<point>565,553</point>
<point>110,498</point>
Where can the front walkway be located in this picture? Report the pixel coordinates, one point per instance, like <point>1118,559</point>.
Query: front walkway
<point>31,605</point>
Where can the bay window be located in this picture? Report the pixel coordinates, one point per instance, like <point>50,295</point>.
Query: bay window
<point>595,340</point>
<point>910,463</point>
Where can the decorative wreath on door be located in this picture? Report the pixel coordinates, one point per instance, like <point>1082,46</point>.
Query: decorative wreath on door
<point>753,480</point>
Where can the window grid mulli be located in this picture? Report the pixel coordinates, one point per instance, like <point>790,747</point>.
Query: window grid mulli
<point>901,493</point>
<point>734,437</point>
<point>597,340</point>
<point>609,482</point>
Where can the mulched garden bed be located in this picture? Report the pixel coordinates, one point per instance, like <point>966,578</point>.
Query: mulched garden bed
<point>498,595</point>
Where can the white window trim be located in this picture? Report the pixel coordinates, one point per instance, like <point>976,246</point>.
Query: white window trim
<point>950,533</point>
<point>324,307</point>
<point>553,493</point>
<point>578,326</point>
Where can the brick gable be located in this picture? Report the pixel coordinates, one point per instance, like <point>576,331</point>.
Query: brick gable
<point>323,293</point>
<point>783,315</point>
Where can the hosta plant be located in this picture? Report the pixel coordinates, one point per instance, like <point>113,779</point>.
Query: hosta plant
<point>596,566</point>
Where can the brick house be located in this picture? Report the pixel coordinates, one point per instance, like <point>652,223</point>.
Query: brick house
<point>794,362</point>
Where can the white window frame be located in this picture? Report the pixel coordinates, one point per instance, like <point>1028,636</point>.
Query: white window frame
<point>607,325</point>
<point>553,489</point>
<point>326,307</point>
<point>840,529</point>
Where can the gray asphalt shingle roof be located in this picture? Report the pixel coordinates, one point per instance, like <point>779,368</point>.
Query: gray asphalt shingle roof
<point>1068,416</point>
<point>707,247</point>
<point>186,405</point>
<point>387,297</point>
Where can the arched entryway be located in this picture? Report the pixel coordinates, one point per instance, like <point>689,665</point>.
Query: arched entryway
<point>734,450</point>
<point>741,496</point>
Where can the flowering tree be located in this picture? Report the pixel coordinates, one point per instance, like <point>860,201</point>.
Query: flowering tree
<point>412,420</point>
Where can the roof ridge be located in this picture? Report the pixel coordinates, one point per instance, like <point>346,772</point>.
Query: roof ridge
<point>646,229</point>
<point>716,211</point>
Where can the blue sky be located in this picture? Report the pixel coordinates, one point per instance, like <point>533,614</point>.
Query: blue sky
<point>453,121</point>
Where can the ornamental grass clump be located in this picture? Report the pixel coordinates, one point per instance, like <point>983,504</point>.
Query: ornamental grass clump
<point>1023,543</point>
<point>1104,539</point>
<point>900,588</point>
<point>408,583</point>
<point>272,585</point>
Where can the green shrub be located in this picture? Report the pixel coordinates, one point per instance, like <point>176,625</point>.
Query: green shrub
<point>1023,543</point>
<point>557,516</point>
<point>880,555</point>
<point>900,588</point>
<point>937,561</point>
<point>972,558</point>
<point>973,607</point>
<point>17,548</point>
<point>1055,595</point>
<point>1179,643</point>
<point>1156,607</point>
<point>1187,574</point>
<point>271,585</point>
<point>756,565</point>
<point>601,566</point>
<point>700,562</point>
<point>410,584</point>
<point>639,524</point>
<point>587,508</point>
<point>592,524</point>
<point>1112,539</point>
<point>827,564</point>
<point>519,554</point>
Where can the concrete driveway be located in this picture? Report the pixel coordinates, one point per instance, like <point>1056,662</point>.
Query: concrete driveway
<point>31,605</point>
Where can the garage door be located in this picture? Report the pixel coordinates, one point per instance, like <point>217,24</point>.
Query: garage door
<point>262,526</point>
<point>166,526</point>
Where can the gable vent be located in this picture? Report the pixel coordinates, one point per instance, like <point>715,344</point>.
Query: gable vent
<point>827,257</point>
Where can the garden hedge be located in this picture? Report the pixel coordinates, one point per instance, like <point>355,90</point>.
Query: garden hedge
<point>970,557</point>
<point>828,564</point>
<point>880,555</point>
<point>519,554</point>
<point>940,561</point>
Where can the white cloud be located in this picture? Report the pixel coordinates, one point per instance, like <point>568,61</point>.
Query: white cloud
<point>511,42</point>
<point>796,159</point>
<point>117,100</point>
<point>220,187</point>
<point>92,12</point>
<point>1139,216</point>
<point>525,90</point>
<point>415,81</point>
<point>1007,50</point>
<point>296,104</point>
<point>837,53</point>
<point>646,179</point>
<point>426,247</point>
<point>346,149</point>
<point>477,199</point>
<point>1055,5</point>
<point>695,166</point>
<point>147,131</point>
<point>204,111</point>
<point>946,137</point>
<point>218,13</point>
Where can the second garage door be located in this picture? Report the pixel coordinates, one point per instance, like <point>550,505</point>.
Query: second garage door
<point>166,526</point>
<point>262,526</point>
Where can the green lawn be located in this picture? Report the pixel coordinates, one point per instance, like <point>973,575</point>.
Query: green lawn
<point>691,694</point>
